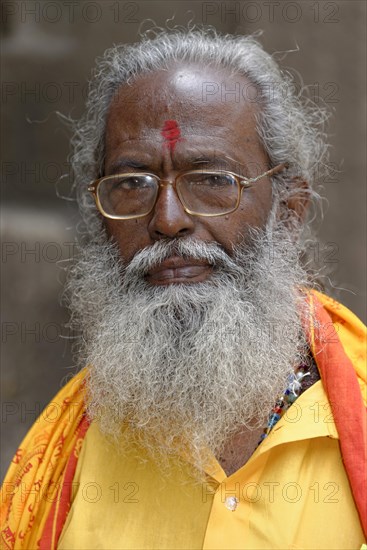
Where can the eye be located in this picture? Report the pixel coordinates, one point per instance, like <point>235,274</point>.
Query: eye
<point>130,183</point>
<point>214,180</point>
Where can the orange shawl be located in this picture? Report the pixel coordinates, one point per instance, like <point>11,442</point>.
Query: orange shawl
<point>37,490</point>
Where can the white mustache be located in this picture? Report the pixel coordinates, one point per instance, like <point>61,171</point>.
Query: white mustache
<point>150,257</point>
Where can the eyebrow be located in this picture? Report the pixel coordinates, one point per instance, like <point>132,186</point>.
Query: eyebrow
<point>214,160</point>
<point>125,162</point>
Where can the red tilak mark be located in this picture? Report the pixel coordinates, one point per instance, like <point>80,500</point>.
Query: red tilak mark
<point>171,134</point>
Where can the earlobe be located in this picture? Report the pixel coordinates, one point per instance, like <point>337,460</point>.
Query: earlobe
<point>294,206</point>
<point>299,199</point>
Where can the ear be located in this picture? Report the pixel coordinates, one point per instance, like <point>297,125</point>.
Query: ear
<point>296,201</point>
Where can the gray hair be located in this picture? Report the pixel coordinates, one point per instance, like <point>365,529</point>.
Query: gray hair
<point>290,125</point>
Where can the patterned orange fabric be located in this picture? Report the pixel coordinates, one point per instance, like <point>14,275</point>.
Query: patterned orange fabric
<point>61,505</point>
<point>37,489</point>
<point>330,345</point>
<point>42,464</point>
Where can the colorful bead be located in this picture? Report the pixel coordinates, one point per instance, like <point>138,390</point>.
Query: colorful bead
<point>286,400</point>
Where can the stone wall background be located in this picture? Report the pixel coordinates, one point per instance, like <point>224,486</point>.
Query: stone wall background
<point>47,50</point>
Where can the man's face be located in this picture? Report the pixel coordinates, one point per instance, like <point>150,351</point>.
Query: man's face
<point>187,364</point>
<point>211,132</point>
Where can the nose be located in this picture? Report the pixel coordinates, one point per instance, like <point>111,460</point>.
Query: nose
<point>169,217</point>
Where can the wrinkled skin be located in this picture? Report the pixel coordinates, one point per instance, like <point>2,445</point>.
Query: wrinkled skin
<point>212,127</point>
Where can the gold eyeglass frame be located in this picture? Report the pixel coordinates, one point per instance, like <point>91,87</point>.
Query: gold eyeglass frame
<point>241,181</point>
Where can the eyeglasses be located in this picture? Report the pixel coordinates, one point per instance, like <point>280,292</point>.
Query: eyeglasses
<point>202,193</point>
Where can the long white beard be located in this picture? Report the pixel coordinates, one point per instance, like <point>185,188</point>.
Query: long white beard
<point>185,366</point>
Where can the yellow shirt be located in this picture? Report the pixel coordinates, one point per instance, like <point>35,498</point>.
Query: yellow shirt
<point>292,493</point>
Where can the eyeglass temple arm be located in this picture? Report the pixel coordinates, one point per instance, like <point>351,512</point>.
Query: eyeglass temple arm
<point>270,172</point>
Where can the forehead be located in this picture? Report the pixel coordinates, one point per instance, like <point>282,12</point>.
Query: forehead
<point>211,107</point>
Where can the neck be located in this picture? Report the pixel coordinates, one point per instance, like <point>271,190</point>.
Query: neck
<point>238,449</point>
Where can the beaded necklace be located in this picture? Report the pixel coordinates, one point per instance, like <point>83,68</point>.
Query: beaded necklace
<point>282,404</point>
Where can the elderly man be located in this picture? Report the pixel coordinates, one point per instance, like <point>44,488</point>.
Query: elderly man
<point>221,406</point>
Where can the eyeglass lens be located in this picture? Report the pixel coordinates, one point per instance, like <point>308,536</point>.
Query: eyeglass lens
<point>201,193</point>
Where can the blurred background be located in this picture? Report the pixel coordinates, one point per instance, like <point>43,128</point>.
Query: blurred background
<point>48,49</point>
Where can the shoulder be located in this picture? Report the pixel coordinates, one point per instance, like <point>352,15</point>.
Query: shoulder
<point>37,469</point>
<point>339,335</point>
<point>60,417</point>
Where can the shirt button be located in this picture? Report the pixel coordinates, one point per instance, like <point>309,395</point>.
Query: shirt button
<point>231,503</point>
